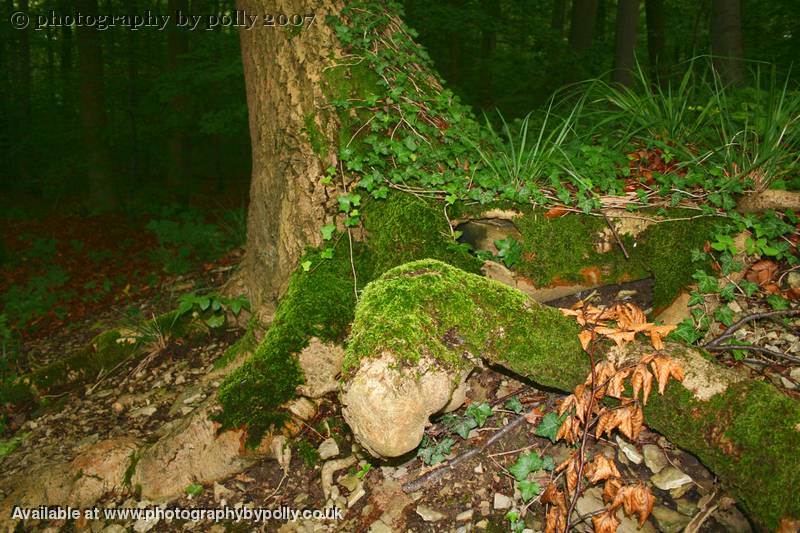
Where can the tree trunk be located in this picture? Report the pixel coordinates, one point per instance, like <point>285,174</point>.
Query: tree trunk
<point>93,112</point>
<point>177,48</point>
<point>133,94</point>
<point>625,41</point>
<point>491,12</point>
<point>24,70</point>
<point>558,17</point>
<point>726,40</point>
<point>581,31</point>
<point>745,431</point>
<point>283,79</point>
<point>656,36</point>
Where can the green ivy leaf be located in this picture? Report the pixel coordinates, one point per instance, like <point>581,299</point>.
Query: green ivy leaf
<point>549,425</point>
<point>529,490</point>
<point>513,404</point>
<point>480,412</point>
<point>327,231</point>
<point>526,464</point>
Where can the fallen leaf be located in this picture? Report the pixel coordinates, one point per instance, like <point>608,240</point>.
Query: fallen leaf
<point>601,469</point>
<point>663,368</point>
<point>606,522</point>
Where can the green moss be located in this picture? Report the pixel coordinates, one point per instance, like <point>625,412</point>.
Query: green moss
<point>318,141</point>
<point>747,435</point>
<point>429,308</point>
<point>244,345</point>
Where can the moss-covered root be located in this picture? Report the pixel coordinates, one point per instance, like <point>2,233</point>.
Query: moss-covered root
<point>746,432</point>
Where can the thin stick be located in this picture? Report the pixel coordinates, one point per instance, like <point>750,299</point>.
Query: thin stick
<point>758,349</point>
<point>616,236</point>
<point>749,318</point>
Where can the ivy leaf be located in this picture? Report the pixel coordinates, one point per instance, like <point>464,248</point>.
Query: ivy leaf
<point>194,489</point>
<point>327,253</point>
<point>724,314</point>
<point>460,425</point>
<point>306,266</point>
<point>327,231</point>
<point>526,464</point>
<point>479,412</point>
<point>215,321</point>
<point>529,490</point>
<point>513,404</point>
<point>549,425</point>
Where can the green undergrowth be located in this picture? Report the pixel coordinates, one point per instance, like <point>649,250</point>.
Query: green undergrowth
<point>320,302</point>
<point>431,309</point>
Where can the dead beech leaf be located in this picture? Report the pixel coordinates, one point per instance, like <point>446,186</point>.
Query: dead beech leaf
<point>556,521</point>
<point>762,272</point>
<point>642,380</point>
<point>788,525</point>
<point>657,333</point>
<point>570,467</point>
<point>663,368</point>
<point>616,387</point>
<point>638,500</point>
<point>606,423</point>
<point>585,336</point>
<point>631,421</point>
<point>610,489</point>
<point>569,430</point>
<point>601,469</point>
<point>606,522</point>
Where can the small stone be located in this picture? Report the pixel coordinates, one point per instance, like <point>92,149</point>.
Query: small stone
<point>482,524</point>
<point>787,383</point>
<point>478,469</point>
<point>678,492</point>
<point>220,492</point>
<point>180,380</point>
<point>117,407</point>
<point>735,307</point>
<point>193,398</point>
<point>428,514</point>
<point>501,501</point>
<point>400,472</point>
<point>379,526</point>
<point>355,496</point>
<point>303,408</point>
<point>654,458</point>
<point>793,279</point>
<point>485,507</point>
<point>686,507</point>
<point>670,478</point>
<point>669,521</point>
<point>144,411</point>
<point>350,482</point>
<point>629,450</point>
<point>795,373</point>
<point>464,516</point>
<point>328,449</point>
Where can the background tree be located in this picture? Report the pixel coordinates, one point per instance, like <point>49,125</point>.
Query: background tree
<point>656,37</point>
<point>584,18</point>
<point>625,41</point>
<point>726,39</point>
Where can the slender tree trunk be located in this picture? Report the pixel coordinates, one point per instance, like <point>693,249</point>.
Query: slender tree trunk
<point>24,70</point>
<point>133,94</point>
<point>656,37</point>
<point>284,78</point>
<point>558,16</point>
<point>625,41</point>
<point>600,25</point>
<point>93,112</point>
<point>584,16</point>
<point>726,39</point>
<point>177,48</point>
<point>65,63</point>
<point>488,46</point>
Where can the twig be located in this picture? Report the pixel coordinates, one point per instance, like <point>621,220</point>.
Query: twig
<point>700,518</point>
<point>616,236</point>
<point>749,318</point>
<point>749,348</point>
<point>426,479</point>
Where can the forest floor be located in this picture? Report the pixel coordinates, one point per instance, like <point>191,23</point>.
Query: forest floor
<point>141,404</point>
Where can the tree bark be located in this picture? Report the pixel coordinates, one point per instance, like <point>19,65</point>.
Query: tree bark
<point>726,40</point>
<point>656,36</point>
<point>93,112</point>
<point>177,48</point>
<point>558,17</point>
<point>581,31</point>
<point>745,431</point>
<point>625,41</point>
<point>284,81</point>
<point>24,70</point>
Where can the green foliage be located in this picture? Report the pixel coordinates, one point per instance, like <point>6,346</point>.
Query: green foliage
<point>509,251</point>
<point>8,446</point>
<point>513,404</point>
<point>475,416</point>
<point>212,307</point>
<point>307,452</point>
<point>194,489</point>
<point>549,425</point>
<point>431,452</point>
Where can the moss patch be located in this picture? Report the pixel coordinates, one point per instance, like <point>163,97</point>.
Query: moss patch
<point>433,309</point>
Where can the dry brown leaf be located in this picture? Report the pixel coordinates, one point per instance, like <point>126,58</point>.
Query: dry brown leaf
<point>639,500</point>
<point>556,521</point>
<point>606,423</point>
<point>616,387</point>
<point>663,368</point>
<point>788,525</point>
<point>762,272</point>
<point>631,421</point>
<point>601,468</point>
<point>657,333</point>
<point>569,430</point>
<point>610,489</point>
<point>642,380</point>
<point>585,336</point>
<point>606,522</point>
<point>570,467</point>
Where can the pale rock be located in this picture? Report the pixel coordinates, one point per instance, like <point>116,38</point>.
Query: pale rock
<point>191,452</point>
<point>180,380</point>
<point>654,458</point>
<point>465,516</point>
<point>592,501</point>
<point>482,524</point>
<point>501,501</point>
<point>350,482</point>
<point>670,478</point>
<point>144,525</point>
<point>302,408</point>
<point>629,450</point>
<point>145,411</point>
<point>193,398</point>
<point>355,496</point>
<point>221,492</point>
<point>321,363</point>
<point>328,449</point>
<point>735,307</point>
<point>379,526</point>
<point>478,469</point>
<point>281,451</point>
<point>331,467</point>
<point>669,521</point>
<point>428,514</point>
<point>388,409</point>
<point>686,507</point>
